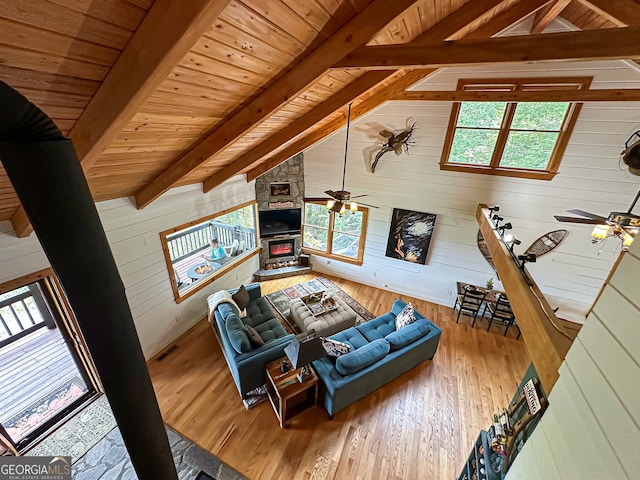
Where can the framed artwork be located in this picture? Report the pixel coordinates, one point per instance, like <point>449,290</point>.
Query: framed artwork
<point>410,235</point>
<point>280,189</point>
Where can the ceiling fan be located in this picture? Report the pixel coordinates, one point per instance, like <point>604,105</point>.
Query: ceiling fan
<point>623,225</point>
<point>631,153</point>
<point>341,200</point>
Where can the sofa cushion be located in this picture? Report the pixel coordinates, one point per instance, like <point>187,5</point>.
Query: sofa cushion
<point>378,327</point>
<point>408,334</point>
<point>237,334</point>
<point>351,336</point>
<point>362,357</point>
<point>254,337</point>
<point>227,308</point>
<point>270,330</point>
<point>334,348</point>
<point>405,317</point>
<point>258,312</point>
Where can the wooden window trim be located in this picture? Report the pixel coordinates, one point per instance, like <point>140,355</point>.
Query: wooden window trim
<point>515,84</point>
<point>342,258</point>
<point>202,283</point>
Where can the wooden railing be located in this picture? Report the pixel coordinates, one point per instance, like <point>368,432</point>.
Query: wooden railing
<point>22,314</point>
<point>184,244</point>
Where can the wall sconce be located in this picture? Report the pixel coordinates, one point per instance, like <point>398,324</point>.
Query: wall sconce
<point>530,257</point>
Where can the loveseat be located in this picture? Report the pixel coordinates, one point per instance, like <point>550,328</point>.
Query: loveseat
<point>247,360</point>
<point>379,353</point>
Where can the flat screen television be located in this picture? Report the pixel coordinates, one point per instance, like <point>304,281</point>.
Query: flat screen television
<point>283,221</point>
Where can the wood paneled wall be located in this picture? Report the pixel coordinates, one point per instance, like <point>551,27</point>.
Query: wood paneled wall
<point>590,178</point>
<point>135,242</point>
<point>592,426</point>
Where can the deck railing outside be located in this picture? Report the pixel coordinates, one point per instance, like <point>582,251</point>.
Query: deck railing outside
<point>193,240</point>
<point>23,312</point>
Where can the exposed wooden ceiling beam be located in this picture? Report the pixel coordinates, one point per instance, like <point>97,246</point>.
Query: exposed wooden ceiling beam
<point>544,335</point>
<point>165,35</point>
<point>355,33</point>
<point>497,24</point>
<point>601,95</point>
<point>611,43</point>
<point>341,98</point>
<point>546,15</point>
<point>621,12</point>
<point>449,26</point>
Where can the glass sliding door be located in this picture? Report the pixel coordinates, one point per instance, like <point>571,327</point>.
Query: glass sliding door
<point>41,373</point>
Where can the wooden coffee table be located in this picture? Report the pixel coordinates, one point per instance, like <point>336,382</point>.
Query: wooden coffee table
<point>287,395</point>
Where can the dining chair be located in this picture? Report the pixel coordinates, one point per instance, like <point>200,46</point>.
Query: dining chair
<point>469,302</point>
<point>501,313</point>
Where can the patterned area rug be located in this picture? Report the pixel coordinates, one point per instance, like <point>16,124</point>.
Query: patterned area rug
<point>45,408</point>
<point>280,300</point>
<point>80,433</point>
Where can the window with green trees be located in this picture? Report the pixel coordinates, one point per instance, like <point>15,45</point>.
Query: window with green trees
<point>330,234</point>
<point>513,138</point>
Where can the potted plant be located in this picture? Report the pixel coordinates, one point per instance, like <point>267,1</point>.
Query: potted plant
<point>489,284</point>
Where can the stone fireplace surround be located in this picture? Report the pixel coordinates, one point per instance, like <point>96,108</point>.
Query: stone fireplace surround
<point>292,172</point>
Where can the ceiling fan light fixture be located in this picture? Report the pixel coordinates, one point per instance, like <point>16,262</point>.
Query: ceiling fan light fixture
<point>600,232</point>
<point>330,204</point>
<point>627,239</point>
<point>342,208</point>
<point>353,207</point>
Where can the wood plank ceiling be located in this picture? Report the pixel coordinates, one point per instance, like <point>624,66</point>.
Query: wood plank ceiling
<point>188,95</point>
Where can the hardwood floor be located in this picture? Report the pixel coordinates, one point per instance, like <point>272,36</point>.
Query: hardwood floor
<point>420,426</point>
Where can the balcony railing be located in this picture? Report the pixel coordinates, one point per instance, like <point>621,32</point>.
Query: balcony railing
<point>22,314</point>
<point>187,242</point>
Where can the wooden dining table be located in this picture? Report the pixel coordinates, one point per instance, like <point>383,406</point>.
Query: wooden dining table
<point>492,295</point>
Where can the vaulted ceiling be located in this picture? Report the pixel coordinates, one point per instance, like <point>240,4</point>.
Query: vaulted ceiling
<point>160,94</point>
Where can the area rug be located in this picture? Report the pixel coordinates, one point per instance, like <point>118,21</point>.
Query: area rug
<point>75,437</point>
<point>255,397</point>
<point>280,300</point>
<point>44,408</point>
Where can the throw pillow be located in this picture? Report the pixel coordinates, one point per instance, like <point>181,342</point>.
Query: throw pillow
<point>237,334</point>
<point>241,297</point>
<point>405,317</point>
<point>254,336</point>
<point>335,348</point>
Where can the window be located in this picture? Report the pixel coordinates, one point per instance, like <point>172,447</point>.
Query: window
<point>511,138</point>
<point>46,373</point>
<point>192,260</point>
<point>333,235</point>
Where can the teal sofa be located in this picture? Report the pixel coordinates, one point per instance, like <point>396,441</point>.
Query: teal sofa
<point>247,362</point>
<point>379,353</point>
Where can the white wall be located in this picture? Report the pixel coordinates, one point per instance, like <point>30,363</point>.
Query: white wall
<point>592,426</point>
<point>135,242</point>
<point>590,178</point>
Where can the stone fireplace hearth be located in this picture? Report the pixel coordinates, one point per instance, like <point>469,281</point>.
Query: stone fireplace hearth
<point>280,188</point>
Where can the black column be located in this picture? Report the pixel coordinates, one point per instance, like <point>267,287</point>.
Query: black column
<point>46,174</point>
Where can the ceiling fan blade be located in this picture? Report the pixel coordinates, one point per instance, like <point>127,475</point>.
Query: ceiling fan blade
<point>331,193</point>
<point>588,221</point>
<point>358,196</point>
<point>367,205</point>
<point>588,215</point>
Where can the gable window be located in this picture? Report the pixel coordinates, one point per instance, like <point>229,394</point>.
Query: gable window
<point>330,234</point>
<point>198,252</point>
<point>512,138</point>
